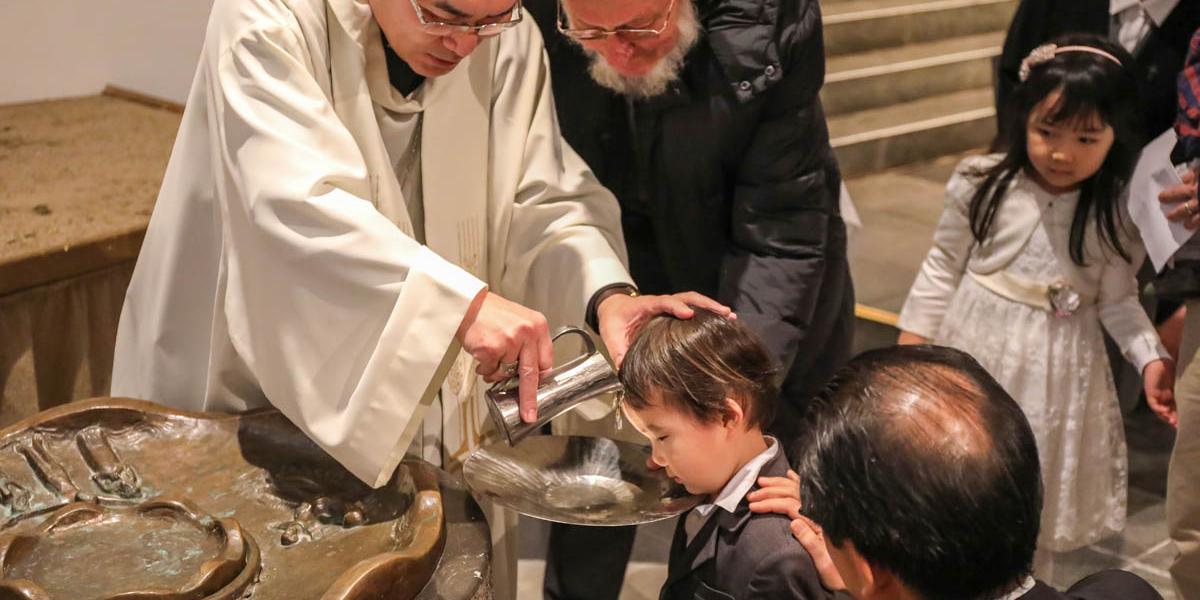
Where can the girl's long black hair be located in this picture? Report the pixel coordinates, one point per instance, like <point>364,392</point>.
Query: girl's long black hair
<point>1090,85</point>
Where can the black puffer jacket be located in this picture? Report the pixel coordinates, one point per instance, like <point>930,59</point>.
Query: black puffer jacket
<point>727,183</point>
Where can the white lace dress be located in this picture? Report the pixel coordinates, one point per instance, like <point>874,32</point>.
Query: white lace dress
<point>1056,368</point>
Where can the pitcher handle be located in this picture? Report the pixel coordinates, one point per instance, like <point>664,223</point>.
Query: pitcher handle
<point>590,344</point>
<point>587,338</point>
<point>590,348</point>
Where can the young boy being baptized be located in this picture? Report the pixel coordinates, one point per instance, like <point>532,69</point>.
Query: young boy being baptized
<point>702,390</point>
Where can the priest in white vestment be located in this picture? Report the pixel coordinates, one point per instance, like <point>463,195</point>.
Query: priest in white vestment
<point>354,232</point>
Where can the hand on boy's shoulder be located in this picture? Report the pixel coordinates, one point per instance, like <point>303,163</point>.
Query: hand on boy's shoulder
<point>777,495</point>
<point>777,563</point>
<point>758,557</point>
<point>812,538</point>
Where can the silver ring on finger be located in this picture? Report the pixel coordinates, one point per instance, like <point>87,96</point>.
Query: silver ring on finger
<point>509,369</point>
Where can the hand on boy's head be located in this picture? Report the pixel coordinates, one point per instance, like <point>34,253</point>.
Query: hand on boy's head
<point>778,495</point>
<point>1188,209</point>
<point>680,305</point>
<point>811,537</point>
<point>621,316</point>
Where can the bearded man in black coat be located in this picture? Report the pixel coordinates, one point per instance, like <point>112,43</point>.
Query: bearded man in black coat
<point>712,137</point>
<point>703,119</point>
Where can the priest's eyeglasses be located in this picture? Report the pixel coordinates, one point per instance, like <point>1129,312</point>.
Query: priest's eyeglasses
<point>594,33</point>
<point>493,25</point>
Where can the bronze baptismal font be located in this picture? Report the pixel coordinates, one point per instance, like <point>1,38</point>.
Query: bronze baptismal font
<point>114,499</point>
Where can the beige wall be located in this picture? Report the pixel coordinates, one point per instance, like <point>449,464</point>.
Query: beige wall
<point>60,48</point>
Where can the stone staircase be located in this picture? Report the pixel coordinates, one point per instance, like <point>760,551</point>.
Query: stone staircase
<point>908,90</point>
<point>910,80</point>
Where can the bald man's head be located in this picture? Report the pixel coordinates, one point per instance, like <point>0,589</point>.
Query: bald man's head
<point>921,461</point>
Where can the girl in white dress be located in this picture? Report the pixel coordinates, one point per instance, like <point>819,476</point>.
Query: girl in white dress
<point>1031,257</point>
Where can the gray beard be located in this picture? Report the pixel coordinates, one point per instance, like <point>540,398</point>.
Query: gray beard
<point>665,71</point>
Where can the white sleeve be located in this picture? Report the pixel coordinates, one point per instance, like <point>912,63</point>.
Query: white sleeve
<point>347,324</point>
<point>1120,311</point>
<point>944,266</point>
<point>564,239</point>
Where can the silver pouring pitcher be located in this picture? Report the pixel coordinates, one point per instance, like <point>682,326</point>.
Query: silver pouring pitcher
<point>559,390</point>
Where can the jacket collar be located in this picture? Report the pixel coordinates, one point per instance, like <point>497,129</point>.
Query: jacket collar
<point>704,546</point>
<point>743,480</point>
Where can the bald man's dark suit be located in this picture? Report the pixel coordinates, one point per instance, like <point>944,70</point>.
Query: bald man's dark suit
<point>1105,585</point>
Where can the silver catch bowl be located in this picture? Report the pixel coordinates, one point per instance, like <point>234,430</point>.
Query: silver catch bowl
<point>576,480</point>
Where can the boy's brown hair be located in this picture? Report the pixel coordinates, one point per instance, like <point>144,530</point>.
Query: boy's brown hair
<point>694,364</point>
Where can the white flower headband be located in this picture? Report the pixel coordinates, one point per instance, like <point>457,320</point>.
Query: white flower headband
<point>1046,52</point>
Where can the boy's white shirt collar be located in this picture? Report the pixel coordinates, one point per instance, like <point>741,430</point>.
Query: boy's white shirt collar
<point>739,485</point>
<point>735,489</point>
<point>1158,10</point>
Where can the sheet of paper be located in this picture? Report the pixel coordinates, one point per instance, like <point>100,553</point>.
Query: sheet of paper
<point>1153,174</point>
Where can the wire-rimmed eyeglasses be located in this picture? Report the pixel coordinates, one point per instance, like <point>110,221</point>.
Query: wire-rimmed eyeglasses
<point>482,29</point>
<point>594,33</point>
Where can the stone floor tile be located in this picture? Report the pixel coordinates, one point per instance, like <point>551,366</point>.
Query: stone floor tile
<point>1160,557</point>
<point>643,580</point>
<point>895,303</point>
<point>895,241</point>
<point>897,195</point>
<point>877,281</point>
<point>1145,526</point>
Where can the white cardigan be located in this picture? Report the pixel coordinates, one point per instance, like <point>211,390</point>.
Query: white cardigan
<point>1106,280</point>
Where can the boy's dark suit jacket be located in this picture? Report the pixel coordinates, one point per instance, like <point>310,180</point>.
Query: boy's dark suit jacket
<point>1105,585</point>
<point>742,555</point>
